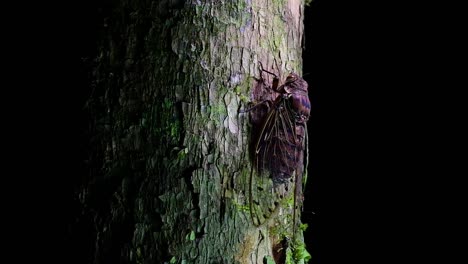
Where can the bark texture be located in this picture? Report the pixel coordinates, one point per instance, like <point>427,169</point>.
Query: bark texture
<point>169,161</point>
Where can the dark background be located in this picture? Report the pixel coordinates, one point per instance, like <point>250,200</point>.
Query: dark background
<point>381,129</point>
<point>373,133</point>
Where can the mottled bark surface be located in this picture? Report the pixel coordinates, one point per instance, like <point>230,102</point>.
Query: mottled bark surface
<point>169,160</point>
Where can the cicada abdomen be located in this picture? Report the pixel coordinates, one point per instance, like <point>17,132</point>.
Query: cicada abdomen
<point>280,139</point>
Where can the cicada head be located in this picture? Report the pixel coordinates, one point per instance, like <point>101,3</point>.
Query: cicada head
<point>295,82</point>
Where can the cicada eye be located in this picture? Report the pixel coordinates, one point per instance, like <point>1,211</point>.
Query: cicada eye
<point>291,78</point>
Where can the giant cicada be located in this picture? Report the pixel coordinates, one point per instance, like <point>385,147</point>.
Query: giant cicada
<point>280,138</point>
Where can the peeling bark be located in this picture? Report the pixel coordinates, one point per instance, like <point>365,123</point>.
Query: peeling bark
<point>170,166</point>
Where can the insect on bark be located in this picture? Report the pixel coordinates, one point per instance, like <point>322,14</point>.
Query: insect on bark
<point>281,138</point>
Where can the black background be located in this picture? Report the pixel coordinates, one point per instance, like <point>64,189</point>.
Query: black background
<point>380,131</point>
<point>377,130</point>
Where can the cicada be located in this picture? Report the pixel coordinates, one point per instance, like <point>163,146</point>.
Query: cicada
<point>280,138</point>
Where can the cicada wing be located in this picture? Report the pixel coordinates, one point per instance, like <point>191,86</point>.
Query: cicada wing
<point>301,172</point>
<point>264,136</point>
<point>276,156</point>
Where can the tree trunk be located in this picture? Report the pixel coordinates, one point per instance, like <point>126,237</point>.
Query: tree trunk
<point>169,160</point>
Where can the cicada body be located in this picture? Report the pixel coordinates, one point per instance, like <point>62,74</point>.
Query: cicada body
<point>280,141</point>
<point>280,145</point>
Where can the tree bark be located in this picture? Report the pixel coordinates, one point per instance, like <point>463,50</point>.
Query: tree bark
<point>169,160</point>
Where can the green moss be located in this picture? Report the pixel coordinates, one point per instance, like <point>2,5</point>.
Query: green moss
<point>243,98</point>
<point>234,15</point>
<point>218,110</point>
<point>269,260</point>
<point>279,3</point>
<point>289,256</point>
<point>181,154</point>
<point>278,231</point>
<point>297,254</point>
<point>301,255</point>
<point>215,114</point>
<point>167,104</point>
<point>281,231</point>
<point>194,139</point>
<point>162,122</point>
<point>303,227</point>
<point>243,89</point>
<point>218,28</point>
<point>139,257</point>
<point>241,5</point>
<point>278,33</point>
<point>242,208</point>
<point>190,236</point>
<point>288,201</point>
